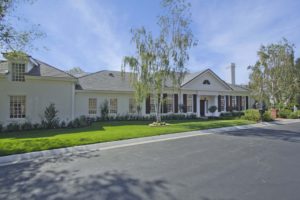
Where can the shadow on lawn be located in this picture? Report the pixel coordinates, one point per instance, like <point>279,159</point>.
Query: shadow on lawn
<point>275,134</point>
<point>32,181</point>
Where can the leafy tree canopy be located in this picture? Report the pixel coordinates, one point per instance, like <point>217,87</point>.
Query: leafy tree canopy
<point>274,78</point>
<point>12,39</point>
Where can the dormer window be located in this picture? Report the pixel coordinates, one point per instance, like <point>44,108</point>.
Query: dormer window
<point>206,82</point>
<point>18,72</point>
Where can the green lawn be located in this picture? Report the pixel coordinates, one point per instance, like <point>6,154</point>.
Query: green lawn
<point>29,141</point>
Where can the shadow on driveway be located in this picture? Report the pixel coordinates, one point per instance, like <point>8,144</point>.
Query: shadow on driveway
<point>267,133</point>
<point>29,181</point>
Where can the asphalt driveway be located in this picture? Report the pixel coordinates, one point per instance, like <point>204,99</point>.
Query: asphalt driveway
<point>259,163</point>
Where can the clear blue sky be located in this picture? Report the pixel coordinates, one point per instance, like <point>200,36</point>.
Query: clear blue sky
<point>94,34</point>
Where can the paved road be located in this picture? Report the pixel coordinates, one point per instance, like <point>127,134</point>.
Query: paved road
<point>261,163</point>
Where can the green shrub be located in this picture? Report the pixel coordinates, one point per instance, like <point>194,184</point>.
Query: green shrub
<point>70,124</point>
<point>36,126</point>
<point>26,126</point>
<point>293,115</point>
<point>50,117</point>
<point>238,113</point>
<point>252,115</point>
<point>76,123</point>
<point>104,110</point>
<point>267,116</point>
<point>63,124</point>
<point>284,113</point>
<point>212,109</point>
<point>12,127</point>
<point>226,114</point>
<point>1,128</point>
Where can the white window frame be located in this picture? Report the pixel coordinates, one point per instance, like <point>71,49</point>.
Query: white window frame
<point>222,105</point>
<point>152,103</point>
<point>92,106</point>
<point>170,103</point>
<point>113,109</point>
<point>132,106</point>
<point>17,107</point>
<point>243,103</point>
<point>189,103</point>
<point>18,72</point>
<point>233,103</point>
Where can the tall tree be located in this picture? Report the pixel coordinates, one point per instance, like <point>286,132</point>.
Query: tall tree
<point>176,29</point>
<point>11,38</point>
<point>161,58</point>
<point>273,78</point>
<point>297,96</point>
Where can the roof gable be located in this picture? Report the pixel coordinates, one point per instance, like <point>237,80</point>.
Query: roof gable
<point>43,69</point>
<point>196,82</point>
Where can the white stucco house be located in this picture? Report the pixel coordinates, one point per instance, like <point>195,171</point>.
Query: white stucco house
<point>27,88</point>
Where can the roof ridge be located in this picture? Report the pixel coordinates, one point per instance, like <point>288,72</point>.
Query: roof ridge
<point>92,73</point>
<point>39,61</point>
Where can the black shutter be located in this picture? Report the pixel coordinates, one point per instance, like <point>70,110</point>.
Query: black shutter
<point>219,103</point>
<point>241,101</point>
<point>237,99</point>
<point>176,103</point>
<point>227,103</point>
<point>247,102</point>
<point>165,103</point>
<point>195,102</point>
<point>230,104</point>
<point>148,104</point>
<point>184,103</point>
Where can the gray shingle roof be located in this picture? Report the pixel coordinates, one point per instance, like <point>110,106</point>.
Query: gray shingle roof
<point>238,88</point>
<point>106,81</point>
<point>46,70</point>
<point>190,76</point>
<point>114,81</point>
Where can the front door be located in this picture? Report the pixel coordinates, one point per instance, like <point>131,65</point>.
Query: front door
<point>202,108</point>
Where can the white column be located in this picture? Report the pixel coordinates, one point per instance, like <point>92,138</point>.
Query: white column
<point>225,103</point>
<point>73,102</point>
<point>198,105</point>
<point>216,101</point>
<point>205,106</point>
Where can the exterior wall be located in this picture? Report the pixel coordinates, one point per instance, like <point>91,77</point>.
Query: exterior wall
<point>82,99</point>
<point>39,94</point>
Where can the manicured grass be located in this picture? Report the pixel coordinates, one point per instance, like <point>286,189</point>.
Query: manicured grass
<point>29,141</point>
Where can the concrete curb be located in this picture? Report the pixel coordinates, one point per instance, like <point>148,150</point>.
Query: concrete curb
<point>18,158</point>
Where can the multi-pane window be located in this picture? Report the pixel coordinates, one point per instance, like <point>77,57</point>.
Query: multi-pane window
<point>233,103</point>
<point>92,106</point>
<point>243,103</point>
<point>18,72</point>
<point>169,102</point>
<point>152,104</point>
<point>189,105</point>
<point>17,106</point>
<point>113,105</point>
<point>222,103</point>
<point>132,105</point>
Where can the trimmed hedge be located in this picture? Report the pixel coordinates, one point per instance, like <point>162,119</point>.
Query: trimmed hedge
<point>84,121</point>
<point>252,115</point>
<point>267,116</point>
<point>285,113</point>
<point>293,115</point>
<point>232,114</point>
